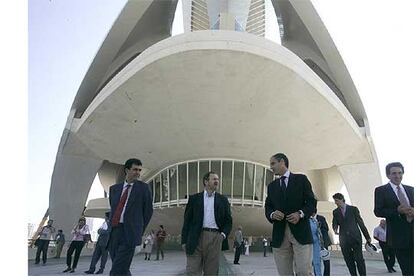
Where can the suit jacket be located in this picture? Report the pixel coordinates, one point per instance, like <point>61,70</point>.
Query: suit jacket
<point>299,196</point>
<point>399,231</point>
<point>349,225</point>
<point>138,210</point>
<point>324,230</point>
<point>193,220</point>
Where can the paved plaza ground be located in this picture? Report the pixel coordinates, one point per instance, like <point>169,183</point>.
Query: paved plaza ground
<point>174,264</point>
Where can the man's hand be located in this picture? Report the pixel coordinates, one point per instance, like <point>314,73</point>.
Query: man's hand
<point>183,246</point>
<point>293,218</point>
<point>277,215</point>
<point>403,210</point>
<point>410,211</point>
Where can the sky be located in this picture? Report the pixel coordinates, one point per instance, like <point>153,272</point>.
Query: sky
<point>372,36</point>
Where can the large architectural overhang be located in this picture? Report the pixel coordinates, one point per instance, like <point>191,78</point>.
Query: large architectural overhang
<point>220,94</point>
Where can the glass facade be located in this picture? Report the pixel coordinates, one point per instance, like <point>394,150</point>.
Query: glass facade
<point>243,182</point>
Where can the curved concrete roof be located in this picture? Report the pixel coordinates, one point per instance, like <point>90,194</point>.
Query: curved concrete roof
<point>169,95</point>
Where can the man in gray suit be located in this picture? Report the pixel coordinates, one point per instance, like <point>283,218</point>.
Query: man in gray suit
<point>101,251</point>
<point>238,244</point>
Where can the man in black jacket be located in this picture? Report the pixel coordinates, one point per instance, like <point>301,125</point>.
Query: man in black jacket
<point>289,204</point>
<point>207,225</point>
<point>395,202</point>
<point>349,221</point>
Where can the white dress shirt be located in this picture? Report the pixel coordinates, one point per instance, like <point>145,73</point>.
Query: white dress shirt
<point>121,220</point>
<point>209,220</point>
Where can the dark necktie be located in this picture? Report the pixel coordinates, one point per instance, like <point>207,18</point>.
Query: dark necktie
<point>283,184</point>
<point>118,211</point>
<point>403,201</point>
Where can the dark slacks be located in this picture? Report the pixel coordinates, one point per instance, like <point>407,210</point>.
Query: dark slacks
<point>160,249</point>
<point>326,268</point>
<point>352,252</point>
<point>388,254</point>
<point>405,259</point>
<point>121,252</point>
<point>100,252</point>
<point>77,247</point>
<point>237,253</point>
<point>42,248</point>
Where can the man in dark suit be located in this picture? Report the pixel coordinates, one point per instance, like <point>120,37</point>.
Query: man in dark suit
<point>395,202</point>
<point>131,211</point>
<point>349,221</point>
<point>207,225</point>
<point>323,225</point>
<point>290,202</point>
<point>101,250</point>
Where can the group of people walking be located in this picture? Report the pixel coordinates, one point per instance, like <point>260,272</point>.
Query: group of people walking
<point>299,237</point>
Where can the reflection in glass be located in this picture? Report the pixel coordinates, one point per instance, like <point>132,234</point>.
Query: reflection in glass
<point>238,180</point>
<point>173,182</point>
<point>192,177</point>
<point>259,182</point>
<point>226,178</point>
<point>164,187</point>
<point>157,188</point>
<point>248,182</point>
<point>182,181</point>
<point>203,170</point>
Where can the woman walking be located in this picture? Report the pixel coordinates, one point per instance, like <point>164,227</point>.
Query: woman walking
<point>148,243</point>
<point>79,232</point>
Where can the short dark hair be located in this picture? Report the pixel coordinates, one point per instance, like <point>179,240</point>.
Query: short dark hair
<point>206,177</point>
<point>82,218</point>
<point>279,156</point>
<point>60,230</point>
<point>392,165</point>
<point>161,226</point>
<point>339,196</point>
<point>132,161</point>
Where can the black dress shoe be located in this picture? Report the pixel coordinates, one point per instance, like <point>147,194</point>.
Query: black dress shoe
<point>89,271</point>
<point>100,271</point>
<point>72,270</point>
<point>390,270</point>
<point>66,270</point>
<point>236,263</point>
<point>393,270</point>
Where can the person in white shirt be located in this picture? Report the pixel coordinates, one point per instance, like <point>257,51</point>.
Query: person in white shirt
<point>207,224</point>
<point>45,236</point>
<point>79,232</point>
<point>380,234</point>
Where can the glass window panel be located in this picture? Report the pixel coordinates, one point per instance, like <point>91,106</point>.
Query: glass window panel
<point>215,167</point>
<point>151,186</point>
<point>203,170</point>
<point>269,176</point>
<point>238,180</point>
<point>226,178</point>
<point>182,181</point>
<point>173,183</point>
<point>192,177</point>
<point>260,171</point>
<point>157,188</point>
<point>164,186</point>
<point>248,184</point>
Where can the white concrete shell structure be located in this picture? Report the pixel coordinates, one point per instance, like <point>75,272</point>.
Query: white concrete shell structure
<point>215,99</point>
